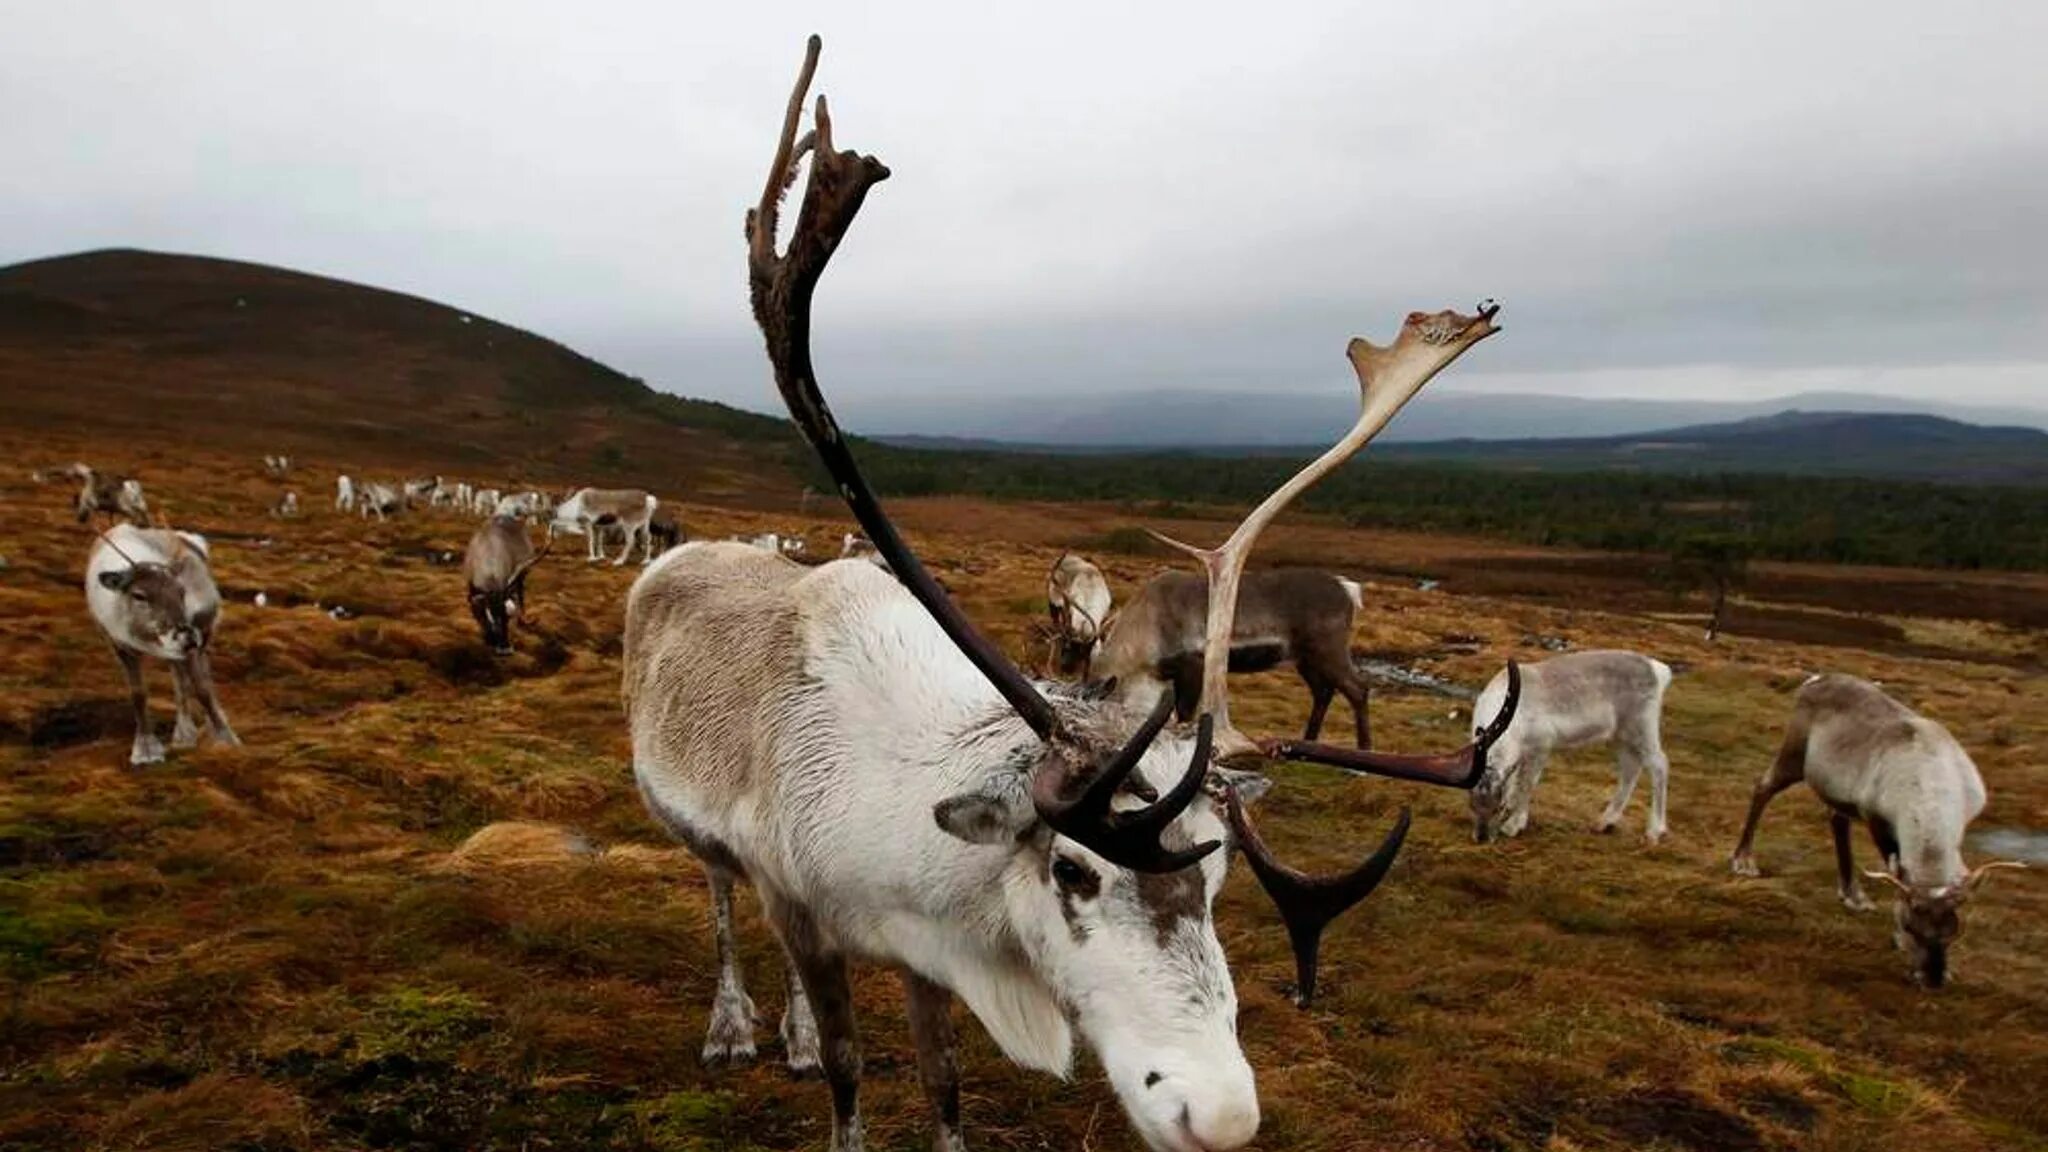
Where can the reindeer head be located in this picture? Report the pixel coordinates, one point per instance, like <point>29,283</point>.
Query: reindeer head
<point>154,595</point>
<point>1927,918</point>
<point>1110,879</point>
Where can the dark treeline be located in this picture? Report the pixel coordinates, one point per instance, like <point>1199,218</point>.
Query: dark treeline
<point>1840,520</point>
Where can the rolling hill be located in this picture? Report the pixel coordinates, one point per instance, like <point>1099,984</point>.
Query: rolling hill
<point>269,360</point>
<point>1888,444</point>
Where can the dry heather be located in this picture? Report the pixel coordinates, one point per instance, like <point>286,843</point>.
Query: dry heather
<point>422,908</point>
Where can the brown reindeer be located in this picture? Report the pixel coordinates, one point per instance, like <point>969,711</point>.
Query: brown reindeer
<point>1295,614</point>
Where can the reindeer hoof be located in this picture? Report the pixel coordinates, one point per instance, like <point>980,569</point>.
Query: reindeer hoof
<point>1604,827</point>
<point>146,750</point>
<point>1857,902</point>
<point>1745,866</point>
<point>800,1043</point>
<point>730,1038</point>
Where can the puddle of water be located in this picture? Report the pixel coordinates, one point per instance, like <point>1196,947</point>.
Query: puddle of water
<point>2028,844</point>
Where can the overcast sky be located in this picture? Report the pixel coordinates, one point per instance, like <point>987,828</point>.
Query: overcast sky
<point>1673,200</point>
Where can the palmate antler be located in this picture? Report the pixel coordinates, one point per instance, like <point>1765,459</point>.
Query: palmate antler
<point>1387,378</point>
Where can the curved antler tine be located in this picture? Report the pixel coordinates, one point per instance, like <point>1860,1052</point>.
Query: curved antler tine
<point>1128,839</point>
<point>1308,904</point>
<point>1157,816</point>
<point>1387,379</point>
<point>1460,769</point>
<point>1982,871</point>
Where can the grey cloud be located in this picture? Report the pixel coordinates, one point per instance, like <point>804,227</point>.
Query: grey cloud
<point>1694,201</point>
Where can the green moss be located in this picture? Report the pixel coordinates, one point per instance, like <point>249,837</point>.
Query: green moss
<point>1873,1095</point>
<point>424,1022</point>
<point>691,1122</point>
<point>41,932</point>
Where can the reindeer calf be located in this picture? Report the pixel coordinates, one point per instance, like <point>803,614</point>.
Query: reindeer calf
<point>1870,758</point>
<point>151,592</point>
<point>1568,702</point>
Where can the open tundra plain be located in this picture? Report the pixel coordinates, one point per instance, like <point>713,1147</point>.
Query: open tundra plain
<point>423,908</point>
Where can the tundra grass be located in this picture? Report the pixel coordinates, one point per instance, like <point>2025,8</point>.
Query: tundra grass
<point>422,908</point>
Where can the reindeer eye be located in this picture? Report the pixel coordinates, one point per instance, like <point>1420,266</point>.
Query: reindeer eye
<point>1074,878</point>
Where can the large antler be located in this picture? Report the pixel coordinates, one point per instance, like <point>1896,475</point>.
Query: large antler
<point>1387,379</point>
<point>781,287</point>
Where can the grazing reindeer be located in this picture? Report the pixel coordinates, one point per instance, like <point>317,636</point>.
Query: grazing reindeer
<point>630,510</point>
<point>524,505</point>
<point>1077,600</point>
<point>344,494</point>
<point>666,531</point>
<point>151,592</point>
<point>112,494</point>
<point>494,569</point>
<point>1568,702</point>
<point>277,466</point>
<point>464,496</point>
<point>382,499</point>
<point>484,502</point>
<point>426,488</point>
<point>898,791</point>
<point>287,506</point>
<point>1283,613</point>
<point>1870,758</point>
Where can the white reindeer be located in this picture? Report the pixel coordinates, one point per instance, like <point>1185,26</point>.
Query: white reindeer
<point>287,506</point>
<point>344,494</point>
<point>379,498</point>
<point>591,510</point>
<point>523,505</point>
<point>1571,701</point>
<point>484,502</point>
<point>1077,600</point>
<point>152,593</point>
<point>1870,758</point>
<point>897,791</point>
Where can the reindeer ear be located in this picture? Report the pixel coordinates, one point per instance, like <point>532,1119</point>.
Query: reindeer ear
<point>1250,787</point>
<point>118,579</point>
<point>996,813</point>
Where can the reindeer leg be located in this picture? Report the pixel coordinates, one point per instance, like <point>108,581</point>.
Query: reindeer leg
<point>1357,694</point>
<point>186,734</point>
<point>823,973</point>
<point>1850,886</point>
<point>938,1067</point>
<point>730,1037</point>
<point>146,749</point>
<point>1628,768</point>
<point>799,1029</point>
<point>1788,769</point>
<point>199,666</point>
<point>1319,695</point>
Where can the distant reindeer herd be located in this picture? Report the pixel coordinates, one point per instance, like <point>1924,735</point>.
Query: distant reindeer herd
<point>838,734</point>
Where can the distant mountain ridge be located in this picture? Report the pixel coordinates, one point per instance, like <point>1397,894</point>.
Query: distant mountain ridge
<point>1169,419</point>
<point>1877,444</point>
